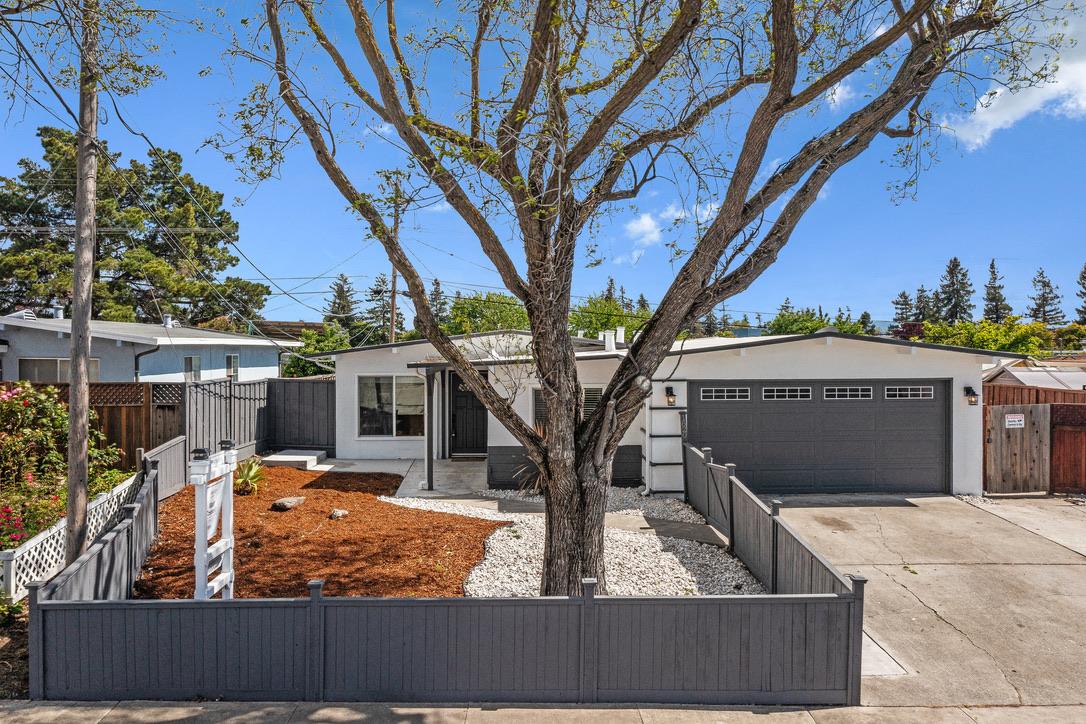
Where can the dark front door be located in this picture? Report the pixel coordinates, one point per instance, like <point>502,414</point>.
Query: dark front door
<point>467,420</point>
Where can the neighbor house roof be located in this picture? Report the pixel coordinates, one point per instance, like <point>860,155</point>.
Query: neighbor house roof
<point>149,334</point>
<point>578,341</point>
<point>1058,378</point>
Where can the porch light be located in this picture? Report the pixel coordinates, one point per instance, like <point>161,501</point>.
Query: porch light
<point>971,395</point>
<point>669,394</point>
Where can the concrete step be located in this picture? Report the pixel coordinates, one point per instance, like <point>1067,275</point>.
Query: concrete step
<point>300,459</point>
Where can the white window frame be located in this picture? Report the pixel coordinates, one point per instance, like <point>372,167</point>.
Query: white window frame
<point>724,394</point>
<point>393,436</point>
<point>850,392</point>
<point>192,370</point>
<point>94,369</point>
<point>803,394</point>
<point>233,371</point>
<point>910,392</point>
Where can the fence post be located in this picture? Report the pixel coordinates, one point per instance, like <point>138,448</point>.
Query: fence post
<point>129,512</point>
<point>8,564</point>
<point>730,467</point>
<point>856,639</point>
<point>708,453</point>
<point>589,647</point>
<point>150,470</point>
<point>774,511</point>
<point>36,642</point>
<point>314,680</point>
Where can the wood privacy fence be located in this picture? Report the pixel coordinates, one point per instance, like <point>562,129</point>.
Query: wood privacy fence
<point>1023,395</point>
<point>1035,448</point>
<point>302,413</point>
<point>133,415</point>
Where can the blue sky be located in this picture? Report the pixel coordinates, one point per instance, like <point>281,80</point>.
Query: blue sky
<point>1012,189</point>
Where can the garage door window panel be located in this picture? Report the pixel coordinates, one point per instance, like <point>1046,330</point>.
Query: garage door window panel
<point>848,393</point>
<point>725,394</point>
<point>910,392</point>
<point>786,393</point>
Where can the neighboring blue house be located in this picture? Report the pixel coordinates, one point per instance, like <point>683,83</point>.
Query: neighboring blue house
<point>37,349</point>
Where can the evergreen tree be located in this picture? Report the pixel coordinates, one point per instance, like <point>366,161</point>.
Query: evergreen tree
<point>343,306</point>
<point>904,311</point>
<point>439,304</point>
<point>624,300</point>
<point>710,324</point>
<point>378,311</point>
<point>643,304</point>
<point>1045,301</point>
<point>955,293</point>
<point>786,307</point>
<point>1081,294</point>
<point>867,326</point>
<point>609,293</point>
<point>996,308</point>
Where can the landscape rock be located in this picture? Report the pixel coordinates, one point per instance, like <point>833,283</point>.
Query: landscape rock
<point>622,501</point>
<point>338,513</point>
<point>287,503</point>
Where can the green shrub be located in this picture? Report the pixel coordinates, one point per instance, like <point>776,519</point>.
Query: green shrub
<point>248,476</point>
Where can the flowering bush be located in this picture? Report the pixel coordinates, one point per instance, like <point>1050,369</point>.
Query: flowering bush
<point>33,464</point>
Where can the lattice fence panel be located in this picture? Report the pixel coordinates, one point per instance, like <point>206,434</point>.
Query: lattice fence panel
<point>167,393</point>
<point>42,557</point>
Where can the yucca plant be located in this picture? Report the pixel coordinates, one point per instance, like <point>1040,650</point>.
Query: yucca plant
<point>248,476</point>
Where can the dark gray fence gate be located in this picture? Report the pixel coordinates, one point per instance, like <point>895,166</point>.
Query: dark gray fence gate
<point>302,413</point>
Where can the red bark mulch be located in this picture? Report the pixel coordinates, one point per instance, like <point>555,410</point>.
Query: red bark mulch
<point>379,549</point>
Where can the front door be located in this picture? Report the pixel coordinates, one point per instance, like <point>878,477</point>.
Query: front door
<point>467,420</point>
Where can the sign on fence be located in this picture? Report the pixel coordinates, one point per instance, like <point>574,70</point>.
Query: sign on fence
<point>213,477</point>
<point>1014,420</point>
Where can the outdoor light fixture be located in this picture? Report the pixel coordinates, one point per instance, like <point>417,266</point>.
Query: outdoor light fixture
<point>669,393</point>
<point>971,395</point>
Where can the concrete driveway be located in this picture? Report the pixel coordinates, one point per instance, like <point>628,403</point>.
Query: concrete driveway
<point>981,605</point>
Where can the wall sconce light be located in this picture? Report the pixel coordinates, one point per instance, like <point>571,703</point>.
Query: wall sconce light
<point>971,395</point>
<point>669,394</point>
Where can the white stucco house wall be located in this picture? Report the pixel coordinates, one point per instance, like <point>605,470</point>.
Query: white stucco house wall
<point>826,412</point>
<point>37,349</point>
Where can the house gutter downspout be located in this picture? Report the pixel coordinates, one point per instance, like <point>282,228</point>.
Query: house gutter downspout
<point>136,359</point>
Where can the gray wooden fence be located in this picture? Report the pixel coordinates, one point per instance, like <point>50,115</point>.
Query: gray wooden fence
<point>709,650</point>
<point>302,413</point>
<point>775,553</point>
<point>261,414</point>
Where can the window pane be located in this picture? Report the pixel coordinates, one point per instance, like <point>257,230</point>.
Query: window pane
<point>374,406</point>
<point>38,370</point>
<point>232,366</point>
<point>410,406</point>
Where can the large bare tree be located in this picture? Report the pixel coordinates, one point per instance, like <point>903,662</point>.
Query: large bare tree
<point>570,108</point>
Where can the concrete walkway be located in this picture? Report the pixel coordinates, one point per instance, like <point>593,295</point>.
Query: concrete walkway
<point>130,712</point>
<point>980,610</point>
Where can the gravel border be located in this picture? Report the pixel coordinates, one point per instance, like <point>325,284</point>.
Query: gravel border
<point>622,501</point>
<point>638,564</point>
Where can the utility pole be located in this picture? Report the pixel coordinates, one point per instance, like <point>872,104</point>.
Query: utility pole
<point>82,282</point>
<point>395,235</point>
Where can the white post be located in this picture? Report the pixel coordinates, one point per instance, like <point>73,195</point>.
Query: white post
<point>230,458</point>
<point>213,478</point>
<point>199,471</point>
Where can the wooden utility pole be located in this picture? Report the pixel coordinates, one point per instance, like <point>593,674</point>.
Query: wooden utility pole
<point>397,201</point>
<point>82,282</point>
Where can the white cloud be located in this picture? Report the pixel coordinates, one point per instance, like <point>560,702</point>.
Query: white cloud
<point>1065,95</point>
<point>840,94</point>
<point>644,230</point>
<point>672,213</point>
<point>439,208</point>
<point>382,129</point>
<point>706,212</point>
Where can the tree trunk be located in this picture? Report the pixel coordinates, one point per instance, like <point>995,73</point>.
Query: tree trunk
<point>576,498</point>
<point>82,285</point>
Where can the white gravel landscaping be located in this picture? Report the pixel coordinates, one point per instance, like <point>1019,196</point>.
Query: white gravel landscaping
<point>638,564</point>
<point>622,501</point>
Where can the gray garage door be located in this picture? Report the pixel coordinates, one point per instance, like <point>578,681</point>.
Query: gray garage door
<point>826,436</point>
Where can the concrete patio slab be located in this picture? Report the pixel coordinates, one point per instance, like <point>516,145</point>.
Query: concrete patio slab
<point>300,459</point>
<point>1059,519</point>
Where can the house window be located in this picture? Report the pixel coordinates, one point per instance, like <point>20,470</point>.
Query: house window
<point>590,401</point>
<point>847,393</point>
<point>192,369</point>
<point>910,392</point>
<point>786,393</point>
<point>391,406</point>
<point>709,394</point>
<point>53,370</point>
<point>232,365</point>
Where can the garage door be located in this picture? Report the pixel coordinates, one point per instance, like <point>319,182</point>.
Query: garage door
<point>826,436</point>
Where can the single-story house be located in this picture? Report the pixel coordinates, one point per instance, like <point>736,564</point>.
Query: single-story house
<point>1067,373</point>
<point>819,412</point>
<point>37,349</point>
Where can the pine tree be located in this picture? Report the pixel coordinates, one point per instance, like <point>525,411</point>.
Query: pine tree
<point>343,305</point>
<point>710,324</point>
<point>786,307</point>
<point>1045,302</point>
<point>378,310</point>
<point>867,326</point>
<point>996,308</point>
<point>609,293</point>
<point>956,293</point>
<point>439,304</point>
<point>1081,294</point>
<point>642,304</point>
<point>624,300</point>
<point>904,311</point>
